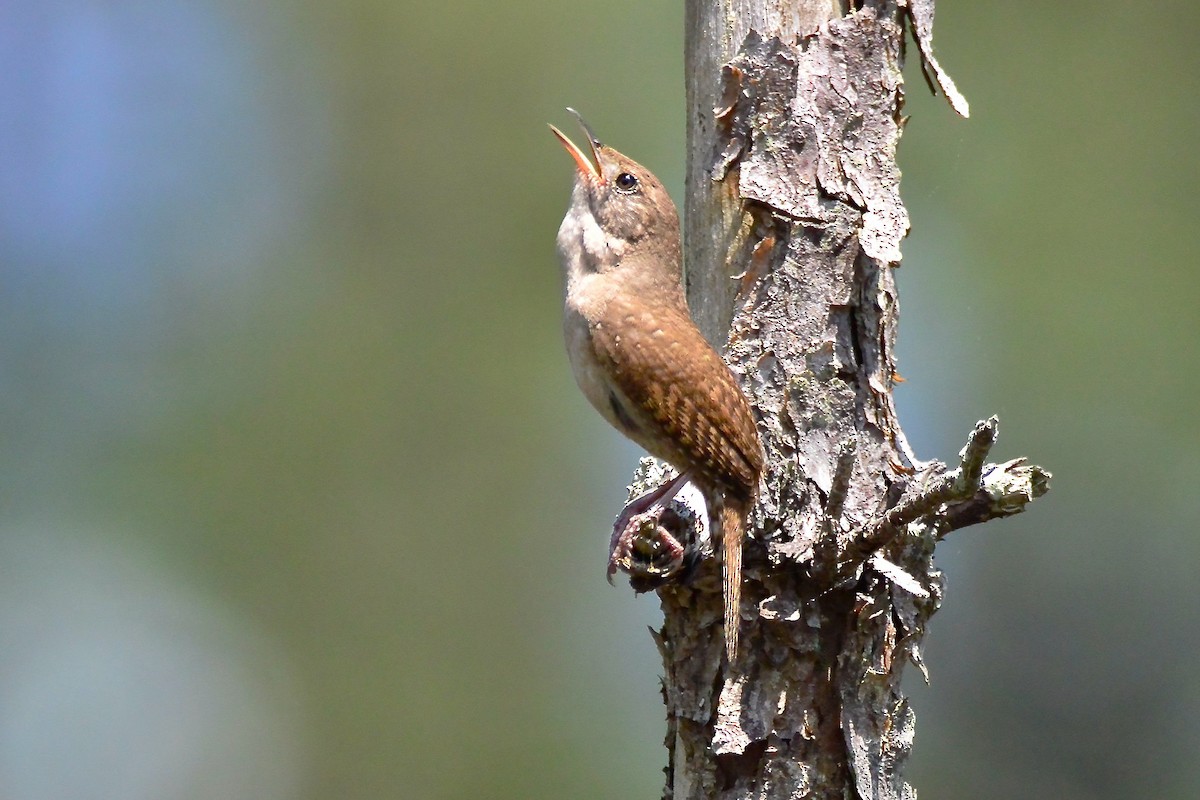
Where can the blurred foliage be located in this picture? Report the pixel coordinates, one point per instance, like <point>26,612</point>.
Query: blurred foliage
<point>280,325</point>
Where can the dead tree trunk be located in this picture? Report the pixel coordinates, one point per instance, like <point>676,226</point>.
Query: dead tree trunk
<point>794,223</point>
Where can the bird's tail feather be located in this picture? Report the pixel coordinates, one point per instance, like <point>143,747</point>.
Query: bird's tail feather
<point>733,524</point>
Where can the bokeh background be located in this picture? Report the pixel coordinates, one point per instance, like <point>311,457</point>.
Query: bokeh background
<point>299,499</point>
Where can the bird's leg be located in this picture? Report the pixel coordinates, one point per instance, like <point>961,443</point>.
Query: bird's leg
<point>627,521</point>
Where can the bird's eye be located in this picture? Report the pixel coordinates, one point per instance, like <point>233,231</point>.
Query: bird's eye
<point>626,182</point>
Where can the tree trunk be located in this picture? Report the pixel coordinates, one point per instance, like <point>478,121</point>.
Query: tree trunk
<point>793,228</point>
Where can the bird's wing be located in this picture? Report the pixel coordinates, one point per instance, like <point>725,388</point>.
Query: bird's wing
<point>682,392</point>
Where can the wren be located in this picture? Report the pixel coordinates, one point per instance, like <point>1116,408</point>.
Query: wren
<point>642,362</point>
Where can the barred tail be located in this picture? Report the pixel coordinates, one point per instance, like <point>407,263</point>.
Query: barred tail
<point>733,523</point>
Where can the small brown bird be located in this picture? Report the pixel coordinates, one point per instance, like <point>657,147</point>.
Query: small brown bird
<point>639,358</point>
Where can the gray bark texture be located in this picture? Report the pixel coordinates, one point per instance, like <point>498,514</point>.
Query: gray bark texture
<point>793,228</point>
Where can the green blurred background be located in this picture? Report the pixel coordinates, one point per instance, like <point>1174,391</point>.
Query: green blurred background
<point>300,500</point>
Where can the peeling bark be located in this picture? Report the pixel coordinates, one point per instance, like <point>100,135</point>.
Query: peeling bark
<point>794,118</point>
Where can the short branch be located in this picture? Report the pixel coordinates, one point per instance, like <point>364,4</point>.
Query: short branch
<point>1004,490</point>
<point>975,492</point>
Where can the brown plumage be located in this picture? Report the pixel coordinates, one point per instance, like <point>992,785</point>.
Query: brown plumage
<point>637,355</point>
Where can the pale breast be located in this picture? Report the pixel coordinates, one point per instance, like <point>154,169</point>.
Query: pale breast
<point>589,373</point>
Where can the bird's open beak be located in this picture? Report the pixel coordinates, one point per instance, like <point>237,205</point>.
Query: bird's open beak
<point>581,160</point>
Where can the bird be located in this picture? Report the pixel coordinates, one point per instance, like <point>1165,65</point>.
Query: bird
<point>640,360</point>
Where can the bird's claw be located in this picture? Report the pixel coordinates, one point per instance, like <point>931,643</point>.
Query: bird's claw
<point>650,546</point>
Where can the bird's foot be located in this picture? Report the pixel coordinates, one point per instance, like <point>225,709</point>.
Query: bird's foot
<point>646,539</point>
